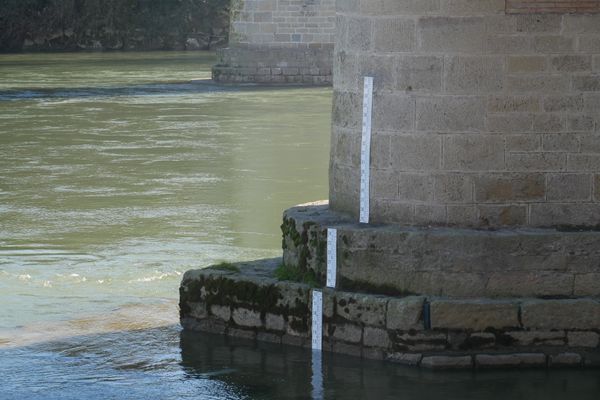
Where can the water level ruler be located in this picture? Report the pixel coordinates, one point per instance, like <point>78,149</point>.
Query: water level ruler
<point>365,164</point>
<point>317,298</point>
<point>365,150</point>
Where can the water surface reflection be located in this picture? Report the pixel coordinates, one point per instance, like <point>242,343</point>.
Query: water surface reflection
<point>165,363</point>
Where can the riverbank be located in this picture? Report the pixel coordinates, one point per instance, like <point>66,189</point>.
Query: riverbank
<point>69,25</point>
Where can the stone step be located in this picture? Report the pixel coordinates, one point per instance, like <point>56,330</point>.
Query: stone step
<point>444,261</point>
<point>248,301</point>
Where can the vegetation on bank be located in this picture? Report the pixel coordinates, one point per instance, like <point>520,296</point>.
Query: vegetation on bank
<point>113,24</point>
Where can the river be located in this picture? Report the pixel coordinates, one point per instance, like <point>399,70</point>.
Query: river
<point>119,171</point>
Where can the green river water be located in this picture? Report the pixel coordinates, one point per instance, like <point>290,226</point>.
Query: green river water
<point>118,172</point>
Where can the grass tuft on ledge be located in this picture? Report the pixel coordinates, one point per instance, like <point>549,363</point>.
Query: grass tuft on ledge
<point>225,266</point>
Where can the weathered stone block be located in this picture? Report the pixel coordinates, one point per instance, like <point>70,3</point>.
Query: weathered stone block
<point>405,313</point>
<point>350,333</point>
<point>569,187</point>
<point>583,339</point>
<point>413,187</point>
<point>512,103</point>
<point>394,34</point>
<point>474,74</point>
<point>534,283</point>
<point>474,315</point>
<point>571,63</point>
<point>539,23</point>
<point>297,326</point>
<point>415,152</point>
<point>540,338</point>
<point>510,360</point>
<point>473,152</point>
<point>550,162</point>
<point>245,317</point>
<point>274,322</point>
<point>419,341</point>
<point>447,362</point>
<point>502,215</point>
<point>561,314</point>
<point>553,44</point>
<point>537,83</point>
<point>419,73</point>
<point>526,142</point>
<point>509,123</point>
<point>392,112</point>
<point>453,188</point>
<point>547,123</point>
<point>381,69</point>
<point>448,34</point>
<point>587,285</point>
<point>564,103</point>
<point>412,359</point>
<point>222,312</point>
<point>560,142</point>
<point>586,83</point>
<point>450,114</point>
<point>565,360</point>
<point>361,308</point>
<point>481,340</point>
<point>360,34</point>
<point>582,214</point>
<point>498,188</point>
<point>197,310</point>
<point>526,64</point>
<point>376,337</point>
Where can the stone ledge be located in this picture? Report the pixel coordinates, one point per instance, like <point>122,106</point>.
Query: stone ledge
<point>401,260</point>
<point>245,300</point>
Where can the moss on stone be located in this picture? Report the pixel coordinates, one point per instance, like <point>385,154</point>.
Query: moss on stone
<point>299,325</point>
<point>225,266</point>
<point>296,274</point>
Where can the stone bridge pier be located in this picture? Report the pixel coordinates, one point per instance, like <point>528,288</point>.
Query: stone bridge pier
<point>483,246</point>
<point>279,42</point>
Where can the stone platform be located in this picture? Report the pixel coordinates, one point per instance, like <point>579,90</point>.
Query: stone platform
<point>246,300</point>
<point>445,261</point>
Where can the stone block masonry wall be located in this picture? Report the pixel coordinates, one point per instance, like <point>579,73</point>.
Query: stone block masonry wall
<point>555,6</point>
<point>279,41</point>
<point>428,331</point>
<point>481,119</point>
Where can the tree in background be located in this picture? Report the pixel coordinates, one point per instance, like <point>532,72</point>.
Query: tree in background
<point>112,24</point>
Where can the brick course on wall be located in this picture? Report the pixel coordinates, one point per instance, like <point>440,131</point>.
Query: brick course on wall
<point>293,23</point>
<point>480,118</point>
<point>279,41</point>
<point>552,6</point>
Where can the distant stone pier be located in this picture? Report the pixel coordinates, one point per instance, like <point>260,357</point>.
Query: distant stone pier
<point>483,245</point>
<point>279,42</point>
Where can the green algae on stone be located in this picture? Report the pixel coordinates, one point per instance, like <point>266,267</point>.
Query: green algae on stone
<point>225,266</point>
<point>296,274</point>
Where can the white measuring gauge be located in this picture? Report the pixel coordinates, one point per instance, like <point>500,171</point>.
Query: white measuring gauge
<point>331,257</point>
<point>317,320</point>
<point>365,150</point>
